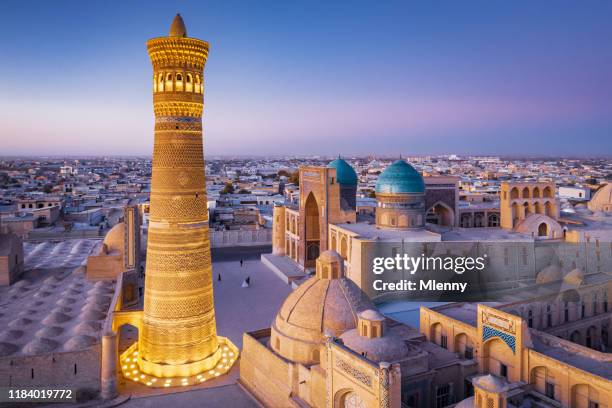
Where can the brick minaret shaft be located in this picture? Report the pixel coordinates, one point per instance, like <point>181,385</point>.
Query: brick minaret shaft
<point>178,327</point>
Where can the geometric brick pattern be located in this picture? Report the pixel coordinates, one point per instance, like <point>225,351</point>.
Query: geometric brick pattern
<point>489,333</point>
<point>178,325</point>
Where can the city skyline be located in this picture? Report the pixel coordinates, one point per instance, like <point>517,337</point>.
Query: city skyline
<point>356,79</point>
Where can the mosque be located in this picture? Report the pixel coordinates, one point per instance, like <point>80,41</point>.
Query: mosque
<point>543,342</point>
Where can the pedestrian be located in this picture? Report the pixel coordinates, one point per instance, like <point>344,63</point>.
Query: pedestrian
<point>219,277</point>
<point>241,261</point>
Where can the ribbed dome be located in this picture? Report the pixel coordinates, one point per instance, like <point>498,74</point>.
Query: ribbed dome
<point>400,178</point>
<point>316,308</point>
<point>344,172</point>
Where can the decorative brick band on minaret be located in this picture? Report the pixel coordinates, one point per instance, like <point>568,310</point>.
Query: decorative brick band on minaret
<point>178,335</point>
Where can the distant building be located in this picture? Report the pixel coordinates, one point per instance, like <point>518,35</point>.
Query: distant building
<point>11,259</point>
<point>575,193</point>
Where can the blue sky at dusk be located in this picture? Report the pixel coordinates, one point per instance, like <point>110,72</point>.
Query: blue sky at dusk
<point>305,77</point>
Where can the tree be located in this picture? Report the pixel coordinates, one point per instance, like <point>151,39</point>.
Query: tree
<point>295,178</point>
<point>243,191</point>
<point>228,189</point>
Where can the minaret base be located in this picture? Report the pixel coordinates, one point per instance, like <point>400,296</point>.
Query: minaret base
<point>134,368</point>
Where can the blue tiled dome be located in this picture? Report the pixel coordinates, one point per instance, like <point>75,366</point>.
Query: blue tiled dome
<point>400,178</point>
<point>344,172</point>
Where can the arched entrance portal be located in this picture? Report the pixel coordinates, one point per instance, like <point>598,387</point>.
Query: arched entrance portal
<point>313,234</point>
<point>440,214</point>
<point>543,230</point>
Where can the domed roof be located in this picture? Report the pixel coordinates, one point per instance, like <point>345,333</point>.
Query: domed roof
<point>40,345</point>
<point>321,305</point>
<point>371,314</point>
<point>387,348</point>
<point>550,273</point>
<point>574,277</point>
<point>344,172</point>
<point>490,383</point>
<point>115,238</point>
<point>400,178</point>
<point>602,200</point>
<point>318,307</point>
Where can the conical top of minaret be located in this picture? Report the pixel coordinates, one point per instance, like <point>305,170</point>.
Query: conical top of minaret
<point>178,29</point>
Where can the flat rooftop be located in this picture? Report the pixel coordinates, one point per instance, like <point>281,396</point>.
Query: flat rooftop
<point>371,231</point>
<point>572,354</point>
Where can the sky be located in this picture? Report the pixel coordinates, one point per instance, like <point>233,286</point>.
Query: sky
<point>309,77</point>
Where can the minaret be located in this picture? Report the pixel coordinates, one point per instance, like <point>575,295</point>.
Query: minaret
<point>178,334</point>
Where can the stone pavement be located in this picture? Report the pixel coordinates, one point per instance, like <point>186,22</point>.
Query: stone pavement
<point>238,310</point>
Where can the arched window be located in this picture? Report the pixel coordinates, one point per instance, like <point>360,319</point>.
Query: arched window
<point>169,86</point>
<point>198,84</point>
<point>316,355</point>
<point>160,82</point>
<point>525,192</point>
<point>189,83</point>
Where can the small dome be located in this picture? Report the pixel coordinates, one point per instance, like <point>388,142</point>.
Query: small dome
<point>88,327</point>
<point>178,29</point>
<point>56,318</point>
<point>92,315</point>
<point>400,178</point>
<point>371,314</point>
<point>115,238</point>
<point>52,331</point>
<point>318,307</point>
<point>40,345</point>
<point>490,383</point>
<point>21,322</point>
<point>345,174</point>
<point>6,349</point>
<point>330,256</point>
<point>79,342</point>
<point>9,335</point>
<point>551,273</point>
<point>574,277</point>
<point>602,200</point>
<point>388,348</point>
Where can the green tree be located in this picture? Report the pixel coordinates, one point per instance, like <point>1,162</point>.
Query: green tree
<point>228,189</point>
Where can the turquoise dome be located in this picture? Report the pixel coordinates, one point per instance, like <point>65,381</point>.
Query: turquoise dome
<point>344,172</point>
<point>400,178</point>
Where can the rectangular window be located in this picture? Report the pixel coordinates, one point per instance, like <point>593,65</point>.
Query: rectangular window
<point>442,396</point>
<point>593,404</point>
<point>503,370</point>
<point>469,353</point>
<point>443,341</point>
<point>549,320</point>
<point>550,390</point>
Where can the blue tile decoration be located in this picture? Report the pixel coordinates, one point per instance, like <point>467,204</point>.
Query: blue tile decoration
<point>489,333</point>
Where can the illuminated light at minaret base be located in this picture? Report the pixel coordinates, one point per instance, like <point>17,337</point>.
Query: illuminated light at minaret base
<point>178,343</point>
